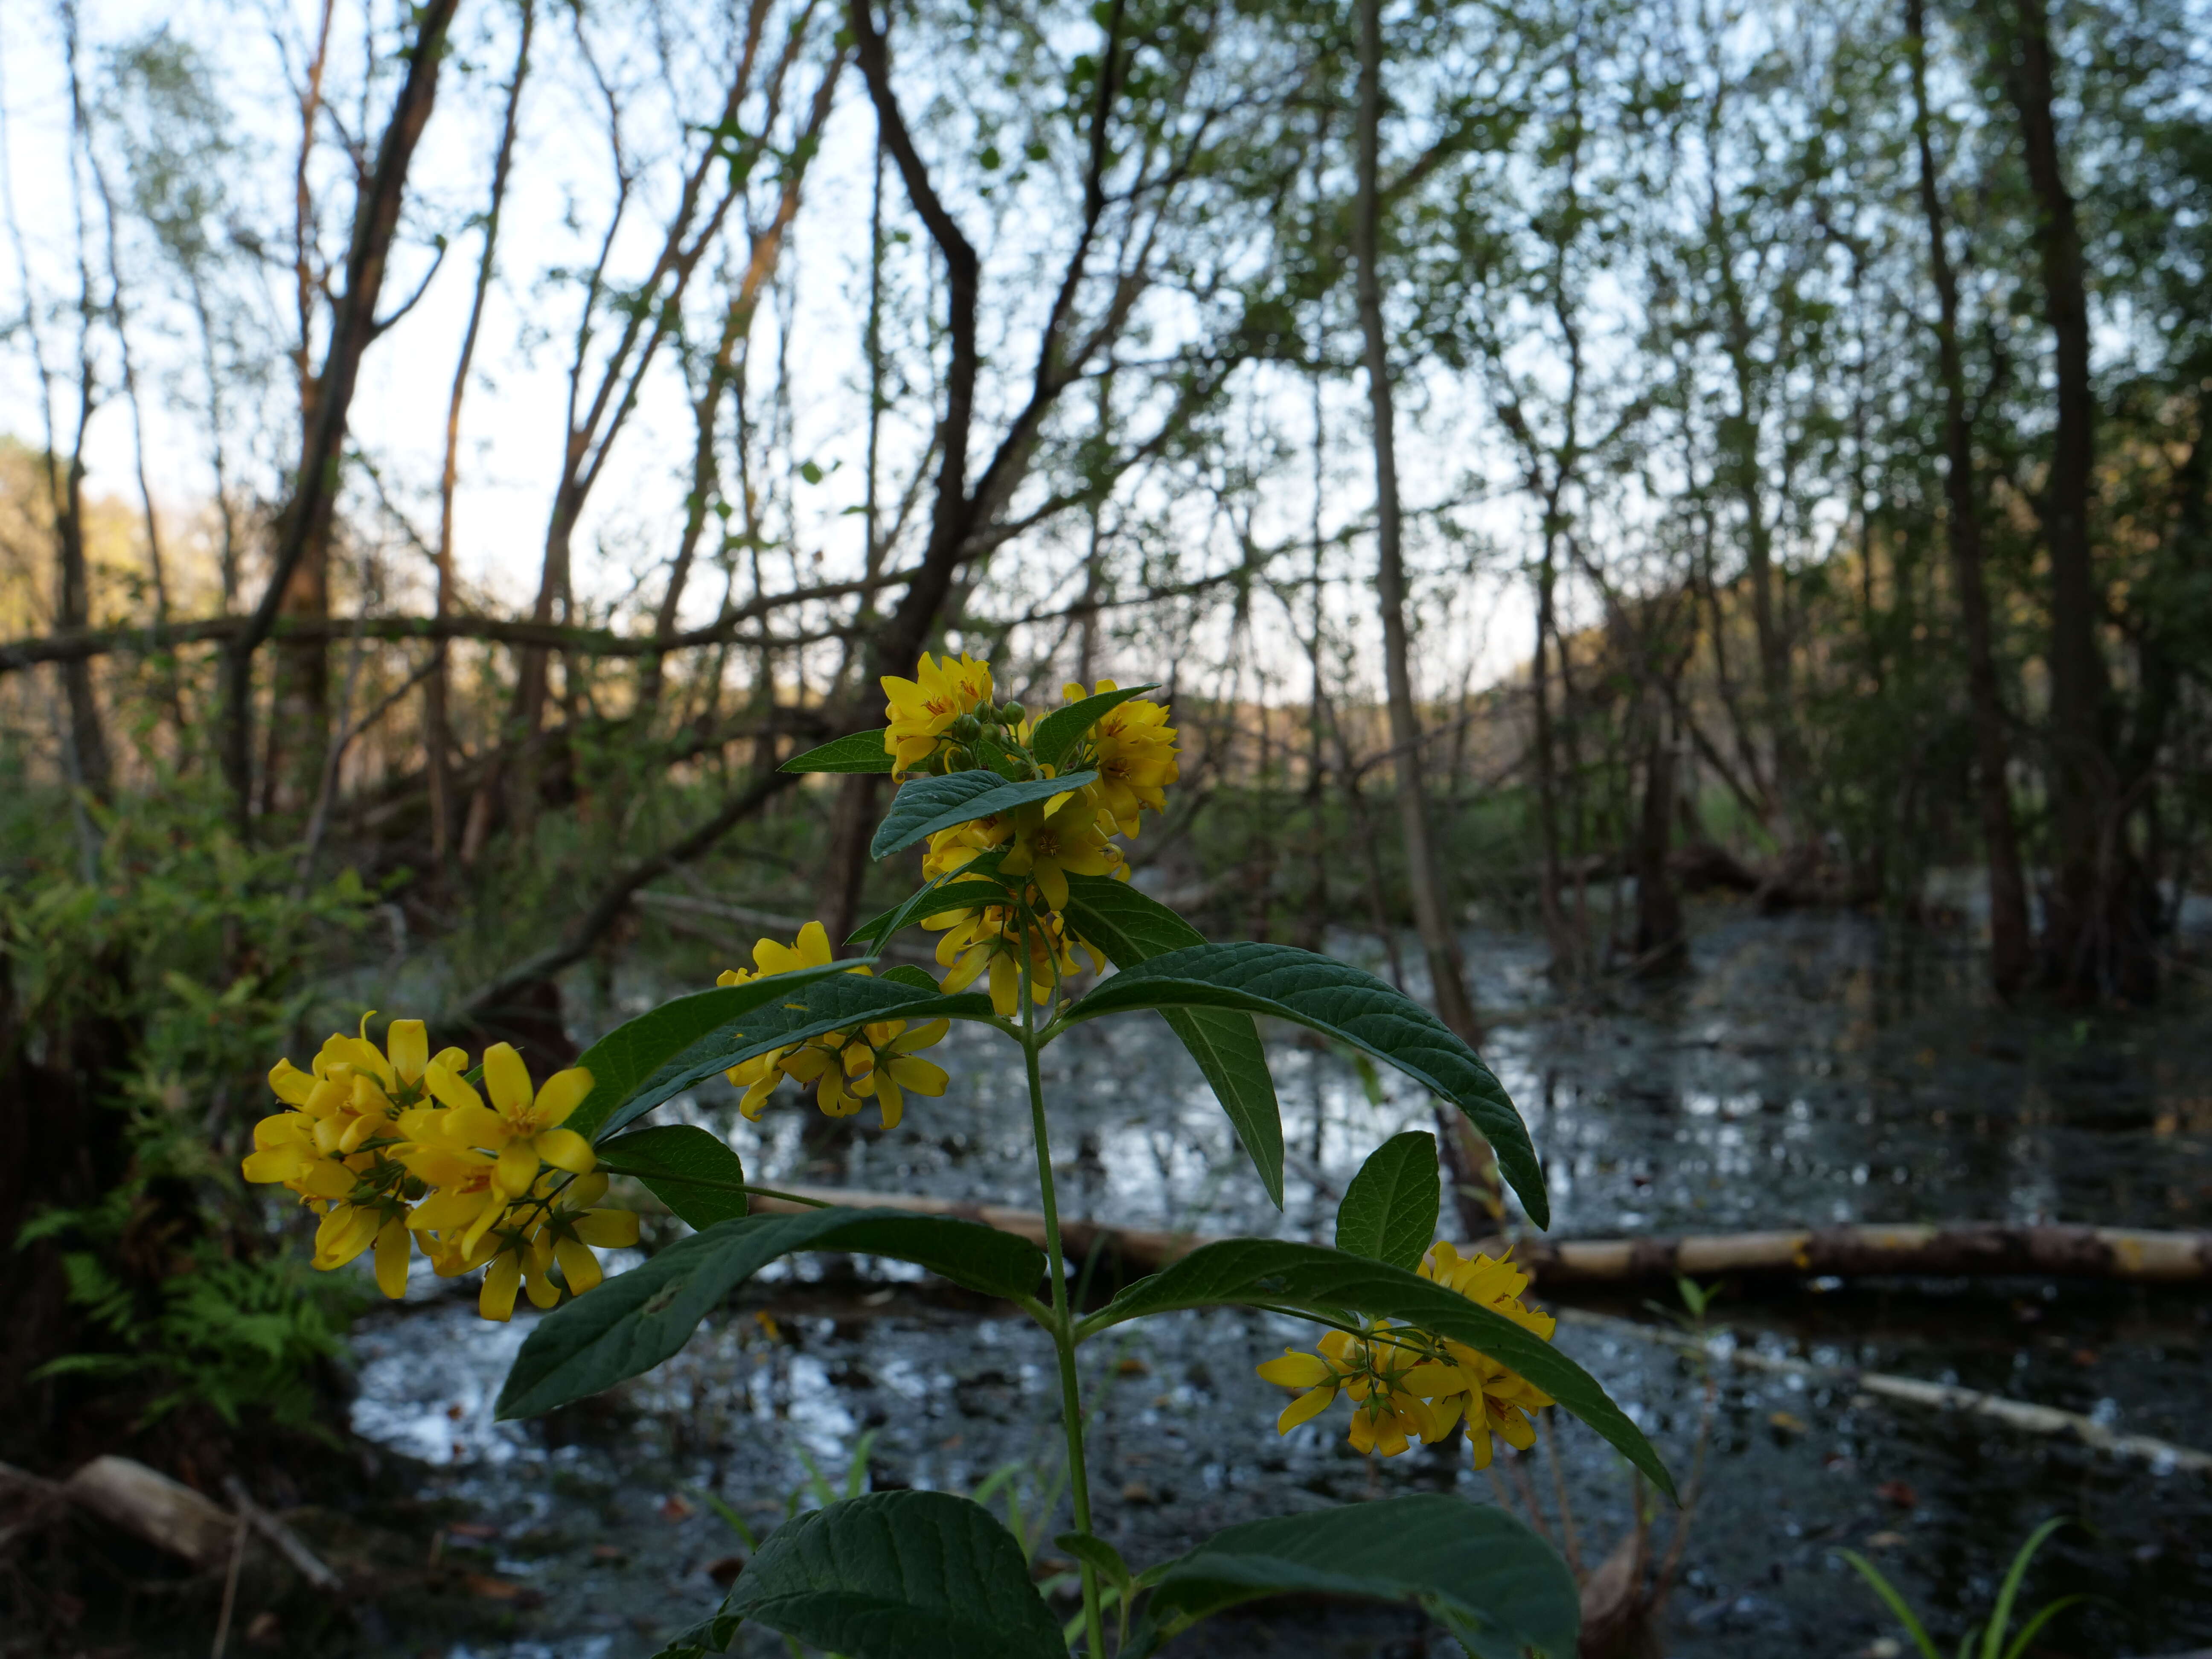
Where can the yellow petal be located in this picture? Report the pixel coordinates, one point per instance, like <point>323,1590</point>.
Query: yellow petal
<point>1478,1443</point>
<point>1298,1371</point>
<point>922,1076</point>
<point>577,1264</point>
<point>1303,1409</point>
<point>447,1086</point>
<point>813,944</point>
<point>1515,1429</point>
<point>543,1293</point>
<point>407,1042</point>
<point>517,1168</point>
<point>291,1085</point>
<point>564,1149</point>
<point>394,1245</point>
<point>496,1299</point>
<point>507,1079</point>
<point>889,1100</point>
<point>1006,987</point>
<point>609,1230</point>
<point>1051,878</point>
<point>563,1093</point>
<point>584,1192</point>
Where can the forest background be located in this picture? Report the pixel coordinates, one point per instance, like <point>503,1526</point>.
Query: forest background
<point>1557,456</point>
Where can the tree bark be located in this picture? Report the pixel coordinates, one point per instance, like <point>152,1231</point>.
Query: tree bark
<point>1439,941</point>
<point>1660,941</point>
<point>2092,941</point>
<point>2008,922</point>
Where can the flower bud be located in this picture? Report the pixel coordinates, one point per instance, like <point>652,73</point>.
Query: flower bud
<point>1012,713</point>
<point>966,729</point>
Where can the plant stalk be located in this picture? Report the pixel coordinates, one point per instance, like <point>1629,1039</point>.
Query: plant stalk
<point>1063,1326</point>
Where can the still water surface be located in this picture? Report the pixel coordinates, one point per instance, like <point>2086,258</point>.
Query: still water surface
<point>1811,1069</point>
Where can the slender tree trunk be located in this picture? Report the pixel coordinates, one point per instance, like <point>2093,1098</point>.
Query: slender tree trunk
<point>1551,880</point>
<point>2008,922</point>
<point>2092,941</point>
<point>437,735</point>
<point>305,522</point>
<point>1439,942</point>
<point>1660,941</point>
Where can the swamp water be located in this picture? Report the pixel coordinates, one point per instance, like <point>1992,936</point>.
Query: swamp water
<point>1810,1069</point>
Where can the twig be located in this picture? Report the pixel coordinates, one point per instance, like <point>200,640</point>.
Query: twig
<point>230,1589</point>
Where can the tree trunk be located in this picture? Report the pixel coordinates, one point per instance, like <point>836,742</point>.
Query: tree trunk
<point>437,735</point>
<point>2008,925</point>
<point>1565,957</point>
<point>2092,941</point>
<point>304,526</point>
<point>1660,939</point>
<point>1439,943</point>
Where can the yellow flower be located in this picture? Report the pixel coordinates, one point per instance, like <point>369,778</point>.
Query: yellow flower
<point>1411,1385</point>
<point>921,710</point>
<point>897,1070</point>
<point>522,1128</point>
<point>557,1225</point>
<point>1055,838</point>
<point>848,1067</point>
<point>1388,1378</point>
<point>993,938</point>
<point>341,1140</point>
<point>1132,749</point>
<point>960,846</point>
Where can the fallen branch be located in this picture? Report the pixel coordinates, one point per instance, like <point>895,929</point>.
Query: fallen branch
<point>166,1513</point>
<point>288,1542</point>
<point>1965,1249</point>
<point>2020,1414</point>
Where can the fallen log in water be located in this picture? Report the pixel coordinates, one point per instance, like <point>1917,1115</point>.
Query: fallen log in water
<point>1964,1249</point>
<point>2021,1414</point>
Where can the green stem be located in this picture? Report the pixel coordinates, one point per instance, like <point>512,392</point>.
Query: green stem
<point>1063,1326</point>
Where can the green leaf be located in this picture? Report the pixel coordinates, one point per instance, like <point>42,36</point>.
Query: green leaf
<point>1340,1001</point>
<point>1390,1210</point>
<point>857,751</point>
<point>828,999</point>
<point>1278,1273</point>
<point>1058,733</point>
<point>925,805</point>
<point>635,1320</point>
<point>899,1575</point>
<point>628,1057</point>
<point>1473,1568</point>
<point>685,1167</point>
<point>907,973</point>
<point>1103,1557</point>
<point>1131,928</point>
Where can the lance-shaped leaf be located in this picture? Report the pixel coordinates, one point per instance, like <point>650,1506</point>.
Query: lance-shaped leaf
<point>635,1320</point>
<point>831,1000</point>
<point>1340,1001</point>
<point>1131,928</point>
<point>1390,1210</point>
<point>1277,1273</point>
<point>687,1168</point>
<point>633,1052</point>
<point>956,895</point>
<point>1058,733</point>
<point>860,751</point>
<point>1474,1568</point>
<point>899,1575</point>
<point>925,805</point>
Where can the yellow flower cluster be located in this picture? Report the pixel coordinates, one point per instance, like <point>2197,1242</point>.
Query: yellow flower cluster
<point>943,720</point>
<point>876,1062</point>
<point>396,1147</point>
<point>1410,1385</point>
